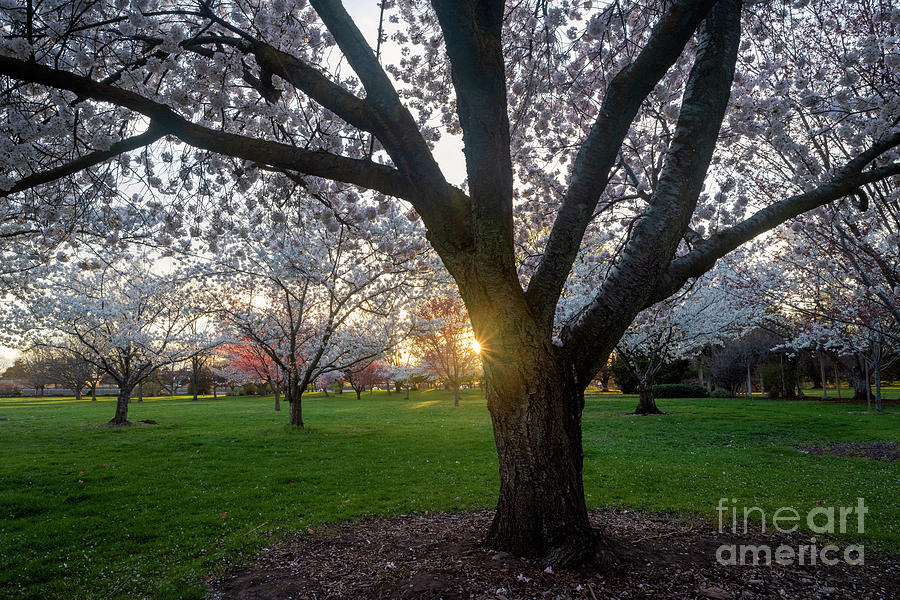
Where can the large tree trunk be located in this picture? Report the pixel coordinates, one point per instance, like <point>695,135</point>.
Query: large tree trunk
<point>860,379</point>
<point>294,396</point>
<point>121,418</point>
<point>94,393</point>
<point>78,394</point>
<point>646,402</point>
<point>358,393</point>
<point>535,408</point>
<point>456,396</point>
<point>277,398</point>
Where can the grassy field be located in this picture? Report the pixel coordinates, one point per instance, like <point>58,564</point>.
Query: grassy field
<point>150,511</point>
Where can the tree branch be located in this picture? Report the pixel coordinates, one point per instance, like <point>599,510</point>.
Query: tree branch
<point>88,160</point>
<point>590,171</point>
<point>705,254</point>
<point>317,163</point>
<point>659,230</point>
<point>472,31</point>
<point>444,209</point>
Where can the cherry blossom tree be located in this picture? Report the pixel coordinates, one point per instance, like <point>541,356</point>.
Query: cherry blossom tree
<point>365,375</point>
<point>578,123</point>
<point>318,300</point>
<point>126,320</point>
<point>252,359</point>
<point>443,339</point>
<point>703,315</point>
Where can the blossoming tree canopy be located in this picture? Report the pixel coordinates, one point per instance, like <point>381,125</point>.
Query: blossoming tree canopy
<point>704,314</point>
<point>580,121</point>
<point>122,317</point>
<point>305,297</point>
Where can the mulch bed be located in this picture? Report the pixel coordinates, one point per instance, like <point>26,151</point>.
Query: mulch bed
<point>888,451</point>
<point>441,556</point>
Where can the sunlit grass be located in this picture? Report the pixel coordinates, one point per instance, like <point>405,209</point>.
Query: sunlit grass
<point>92,512</point>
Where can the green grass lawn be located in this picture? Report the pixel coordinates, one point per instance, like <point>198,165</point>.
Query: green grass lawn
<point>888,391</point>
<point>150,511</point>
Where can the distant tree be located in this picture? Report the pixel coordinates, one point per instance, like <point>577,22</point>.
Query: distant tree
<point>319,300</point>
<point>254,359</point>
<point>443,339</point>
<point>10,389</point>
<point>364,375</point>
<point>677,329</point>
<point>35,367</point>
<point>128,320</point>
<point>69,368</point>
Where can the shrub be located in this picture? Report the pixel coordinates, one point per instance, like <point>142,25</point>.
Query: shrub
<point>679,390</point>
<point>152,388</point>
<point>670,372</point>
<point>720,393</point>
<point>250,389</point>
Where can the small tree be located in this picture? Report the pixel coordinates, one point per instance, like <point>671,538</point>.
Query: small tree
<point>364,375</point>
<point>444,341</point>
<point>34,366</point>
<point>128,320</point>
<point>69,368</point>
<point>678,328</point>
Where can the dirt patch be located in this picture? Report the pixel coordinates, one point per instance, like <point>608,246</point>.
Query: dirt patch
<point>442,556</point>
<point>148,422</point>
<point>889,451</point>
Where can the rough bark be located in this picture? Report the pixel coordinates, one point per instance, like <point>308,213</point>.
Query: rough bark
<point>646,402</point>
<point>296,412</point>
<point>121,418</point>
<point>456,396</point>
<point>536,413</point>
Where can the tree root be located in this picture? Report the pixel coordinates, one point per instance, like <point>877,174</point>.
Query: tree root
<point>591,551</point>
